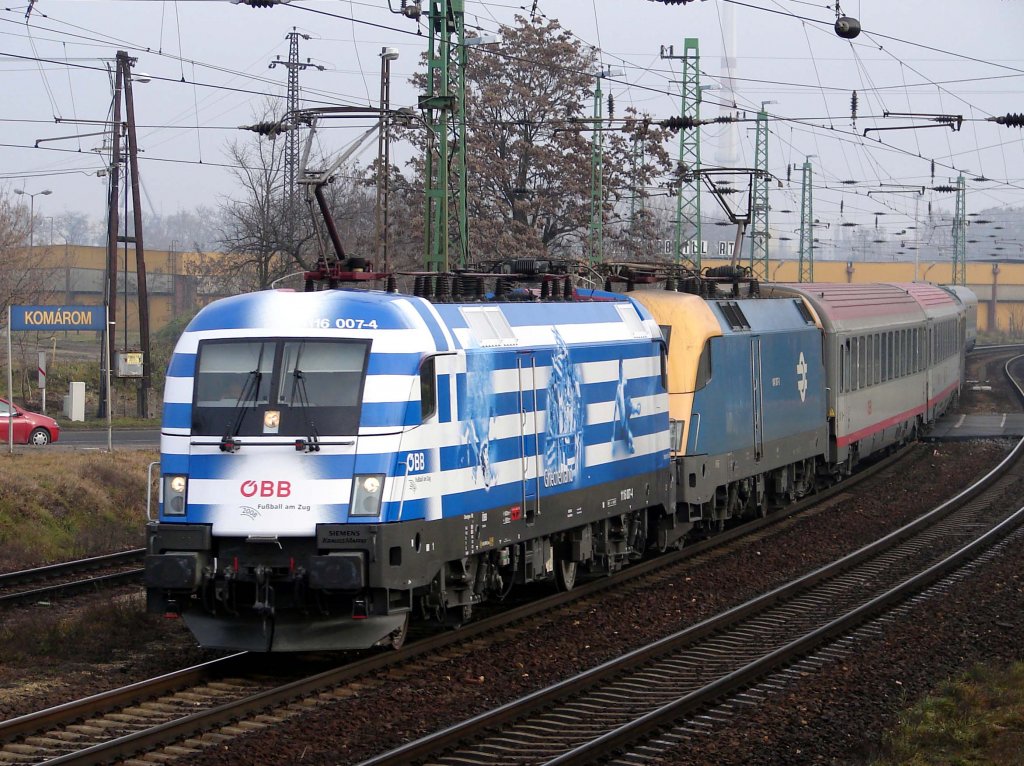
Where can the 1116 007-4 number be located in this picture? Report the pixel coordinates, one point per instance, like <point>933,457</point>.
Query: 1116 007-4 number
<point>344,323</point>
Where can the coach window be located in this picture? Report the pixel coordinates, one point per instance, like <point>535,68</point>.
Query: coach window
<point>873,364</point>
<point>886,356</point>
<point>428,389</point>
<point>862,361</point>
<point>844,367</point>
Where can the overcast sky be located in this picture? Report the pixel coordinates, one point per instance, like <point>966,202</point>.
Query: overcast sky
<point>922,56</point>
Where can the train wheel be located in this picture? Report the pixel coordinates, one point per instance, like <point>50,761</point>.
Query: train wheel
<point>565,575</point>
<point>397,637</point>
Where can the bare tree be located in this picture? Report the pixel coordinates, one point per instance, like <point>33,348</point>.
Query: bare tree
<point>17,284</point>
<point>529,102</point>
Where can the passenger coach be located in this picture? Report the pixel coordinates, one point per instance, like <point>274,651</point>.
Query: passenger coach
<point>894,354</point>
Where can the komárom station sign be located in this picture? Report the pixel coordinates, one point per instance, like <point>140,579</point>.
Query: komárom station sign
<point>57,318</point>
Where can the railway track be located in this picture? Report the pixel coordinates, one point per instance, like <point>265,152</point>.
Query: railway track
<point>590,716</point>
<point>632,709</point>
<point>43,583</point>
<point>215,696</point>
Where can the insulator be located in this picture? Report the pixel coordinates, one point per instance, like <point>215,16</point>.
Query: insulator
<point>670,284</point>
<point>944,188</point>
<point>789,172</point>
<point>567,292</point>
<point>308,286</point>
<point>853,107</point>
<point>675,2</point>
<point>608,284</point>
<point>443,288</point>
<point>524,266</point>
<point>611,106</point>
<point>847,27</point>
<point>679,123</point>
<point>1010,120</point>
<point>392,284</point>
<point>933,170</point>
<point>841,207</point>
<point>545,291</point>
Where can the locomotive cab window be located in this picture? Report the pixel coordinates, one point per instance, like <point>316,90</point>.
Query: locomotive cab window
<point>289,387</point>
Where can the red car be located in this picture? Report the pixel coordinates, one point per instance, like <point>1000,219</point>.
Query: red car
<point>29,427</point>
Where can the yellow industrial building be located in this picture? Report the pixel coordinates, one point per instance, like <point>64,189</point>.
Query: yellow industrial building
<point>181,282</point>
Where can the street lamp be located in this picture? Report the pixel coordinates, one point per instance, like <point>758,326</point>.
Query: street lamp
<point>32,213</point>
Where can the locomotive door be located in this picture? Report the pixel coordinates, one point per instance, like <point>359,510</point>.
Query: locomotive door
<point>529,446</point>
<point>758,401</point>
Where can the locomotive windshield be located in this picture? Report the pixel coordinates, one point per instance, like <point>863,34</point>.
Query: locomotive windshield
<point>288,387</point>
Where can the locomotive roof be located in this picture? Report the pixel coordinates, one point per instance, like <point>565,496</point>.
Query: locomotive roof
<point>421,324</point>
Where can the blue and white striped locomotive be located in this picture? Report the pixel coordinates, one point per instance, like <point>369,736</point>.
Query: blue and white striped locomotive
<point>334,462</point>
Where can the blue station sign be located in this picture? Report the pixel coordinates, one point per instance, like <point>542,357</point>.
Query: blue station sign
<point>57,317</point>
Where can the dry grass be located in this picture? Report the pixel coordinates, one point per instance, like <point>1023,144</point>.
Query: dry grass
<point>978,719</point>
<point>57,506</point>
<point>99,630</point>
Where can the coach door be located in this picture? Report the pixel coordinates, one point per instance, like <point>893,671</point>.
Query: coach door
<point>529,423</point>
<point>758,401</point>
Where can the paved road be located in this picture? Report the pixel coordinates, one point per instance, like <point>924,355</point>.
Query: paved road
<point>148,438</point>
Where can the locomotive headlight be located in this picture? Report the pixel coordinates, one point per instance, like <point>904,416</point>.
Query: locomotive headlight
<point>366,494</point>
<point>174,494</point>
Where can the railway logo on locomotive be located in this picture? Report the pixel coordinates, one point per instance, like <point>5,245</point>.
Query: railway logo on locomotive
<point>801,381</point>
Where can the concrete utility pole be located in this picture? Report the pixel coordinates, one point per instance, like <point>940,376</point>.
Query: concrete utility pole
<point>110,289</point>
<point>123,84</point>
<point>387,55</point>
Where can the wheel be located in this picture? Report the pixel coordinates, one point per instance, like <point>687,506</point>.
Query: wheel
<point>565,575</point>
<point>40,437</point>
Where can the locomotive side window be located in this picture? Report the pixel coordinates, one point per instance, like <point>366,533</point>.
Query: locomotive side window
<point>428,389</point>
<point>703,367</point>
